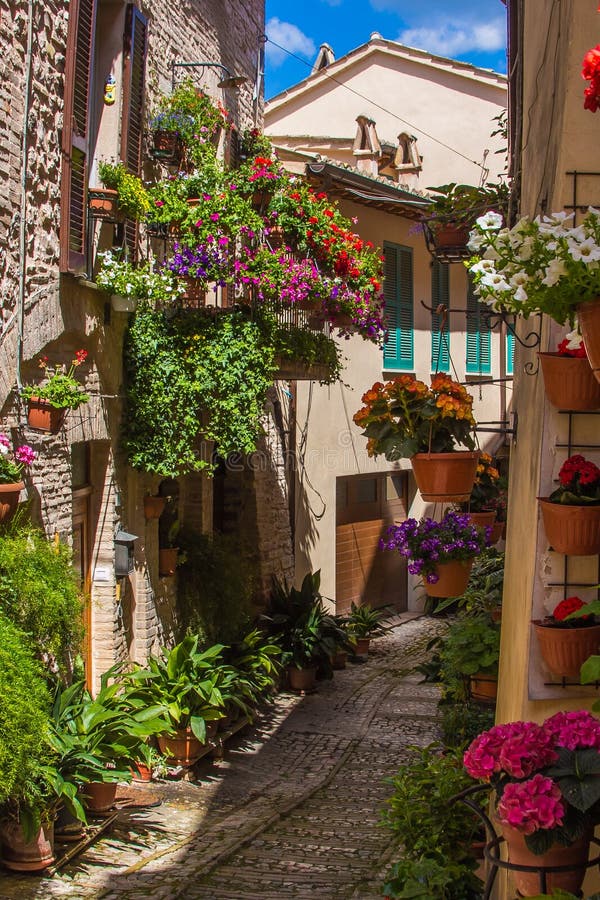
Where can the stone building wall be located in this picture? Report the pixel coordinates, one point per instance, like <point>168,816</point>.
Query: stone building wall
<point>61,314</point>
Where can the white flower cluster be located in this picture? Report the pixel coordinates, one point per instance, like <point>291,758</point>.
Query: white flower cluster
<point>121,277</point>
<point>542,265</point>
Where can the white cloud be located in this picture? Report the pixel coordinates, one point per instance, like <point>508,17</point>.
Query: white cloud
<point>456,38</point>
<point>288,36</point>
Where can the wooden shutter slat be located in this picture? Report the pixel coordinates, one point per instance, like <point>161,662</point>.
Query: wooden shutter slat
<point>132,123</point>
<point>398,350</point>
<point>440,293</point>
<point>479,340</point>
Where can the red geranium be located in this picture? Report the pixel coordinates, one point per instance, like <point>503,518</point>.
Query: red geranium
<point>577,352</point>
<point>579,482</point>
<point>566,607</point>
<point>591,72</point>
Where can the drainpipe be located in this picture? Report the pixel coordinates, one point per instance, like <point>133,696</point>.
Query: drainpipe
<point>23,210</point>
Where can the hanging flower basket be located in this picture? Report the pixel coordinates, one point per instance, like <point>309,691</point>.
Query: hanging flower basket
<point>103,203</point>
<point>9,499</point>
<point>572,530</point>
<point>42,416</point>
<point>564,650</point>
<point>449,236</point>
<point>453,578</point>
<point>445,477</point>
<point>569,382</point>
<point>166,145</point>
<point>589,322</point>
<point>529,883</point>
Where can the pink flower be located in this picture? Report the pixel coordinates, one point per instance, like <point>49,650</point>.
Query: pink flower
<point>517,749</point>
<point>4,442</point>
<point>531,805</point>
<point>25,454</point>
<point>574,730</point>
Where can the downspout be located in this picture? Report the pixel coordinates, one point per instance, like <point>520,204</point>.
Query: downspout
<point>23,211</point>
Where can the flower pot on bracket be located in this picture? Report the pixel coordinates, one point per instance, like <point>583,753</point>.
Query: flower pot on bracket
<point>166,145</point>
<point>564,650</point>
<point>445,477</point>
<point>153,506</point>
<point>103,203</point>
<point>484,518</point>
<point>20,855</point>
<point>483,687</point>
<point>453,578</point>
<point>497,532</point>
<point>9,499</point>
<point>569,382</point>
<point>572,530</point>
<point>588,315</point>
<point>529,884</point>
<point>448,236</point>
<point>167,561</point>
<point>42,416</point>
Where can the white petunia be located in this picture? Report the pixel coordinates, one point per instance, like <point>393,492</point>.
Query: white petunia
<point>484,265</point>
<point>587,251</point>
<point>490,221</point>
<point>476,240</point>
<point>496,281</point>
<point>519,279</point>
<point>3,450</point>
<point>521,294</point>
<point>554,272</point>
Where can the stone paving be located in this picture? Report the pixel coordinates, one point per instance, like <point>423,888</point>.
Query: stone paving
<point>291,812</point>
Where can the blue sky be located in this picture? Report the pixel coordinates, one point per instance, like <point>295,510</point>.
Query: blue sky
<point>469,30</point>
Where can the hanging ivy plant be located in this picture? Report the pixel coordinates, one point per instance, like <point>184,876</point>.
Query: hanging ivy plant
<point>191,377</point>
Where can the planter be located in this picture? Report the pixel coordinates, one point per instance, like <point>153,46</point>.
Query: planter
<point>103,203</point>
<point>483,687</point>
<point>67,827</point>
<point>362,646</point>
<point>529,883</point>
<point>588,315</point>
<point>153,506</point>
<point>9,499</point>
<point>119,303</point>
<point>453,578</point>
<point>166,145</point>
<point>445,477</point>
<point>341,320</point>
<point>99,796</point>
<point>167,560</point>
<point>20,855</point>
<point>448,236</point>
<point>184,748</point>
<point>42,416</point>
<point>484,518</point>
<point>497,532</point>
<point>302,679</point>
<point>316,322</point>
<point>564,650</point>
<point>338,660</point>
<point>572,530</point>
<point>569,382</point>
<point>141,773</point>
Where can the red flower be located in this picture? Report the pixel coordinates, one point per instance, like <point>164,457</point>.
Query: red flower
<point>80,356</point>
<point>578,353</point>
<point>328,213</point>
<point>566,607</point>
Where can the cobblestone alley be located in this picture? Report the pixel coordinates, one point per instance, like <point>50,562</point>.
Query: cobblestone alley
<point>291,812</point>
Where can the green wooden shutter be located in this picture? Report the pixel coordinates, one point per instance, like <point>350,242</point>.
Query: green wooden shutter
<point>440,293</point>
<point>398,350</point>
<point>479,339</point>
<point>132,123</point>
<point>510,353</point>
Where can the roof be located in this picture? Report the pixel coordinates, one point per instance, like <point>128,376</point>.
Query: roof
<point>393,48</point>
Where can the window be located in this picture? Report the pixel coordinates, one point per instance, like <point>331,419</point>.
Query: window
<point>479,340</point>
<point>398,350</point>
<point>510,353</point>
<point>440,334</point>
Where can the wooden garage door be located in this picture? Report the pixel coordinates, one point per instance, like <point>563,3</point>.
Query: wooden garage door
<point>366,505</point>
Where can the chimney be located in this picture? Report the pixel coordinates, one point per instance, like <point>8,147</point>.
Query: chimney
<point>366,148</point>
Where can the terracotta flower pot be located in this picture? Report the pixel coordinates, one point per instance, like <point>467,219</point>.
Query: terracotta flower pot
<point>588,315</point>
<point>453,578</point>
<point>564,650</point>
<point>166,145</point>
<point>44,417</point>
<point>167,561</point>
<point>497,532</point>
<point>184,748</point>
<point>9,499</point>
<point>140,772</point>
<point>483,687</point>
<point>529,883</point>
<point>569,382</point>
<point>572,530</point>
<point>153,506</point>
<point>338,660</point>
<point>67,827</point>
<point>20,855</point>
<point>103,203</point>
<point>302,679</point>
<point>484,518</point>
<point>447,477</point>
<point>362,646</point>
<point>99,796</point>
<point>448,235</point>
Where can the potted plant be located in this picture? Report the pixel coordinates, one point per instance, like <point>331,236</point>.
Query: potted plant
<point>48,403</point>
<point>568,379</point>
<point>544,779</point>
<point>364,623</point>
<point>132,197</point>
<point>471,650</point>
<point>546,265</point>
<point>441,552</point>
<point>11,471</point>
<point>565,642</point>
<point>406,419</point>
<point>185,683</point>
<point>153,506</point>
<point>187,117</point>
<point>168,552</point>
<point>486,489</point>
<point>571,513</point>
<point>129,283</point>
<point>454,209</point>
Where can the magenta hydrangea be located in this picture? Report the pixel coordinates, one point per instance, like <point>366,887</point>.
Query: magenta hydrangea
<point>532,805</point>
<point>516,749</point>
<point>574,730</point>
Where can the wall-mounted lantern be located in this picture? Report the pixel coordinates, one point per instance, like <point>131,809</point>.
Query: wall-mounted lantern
<point>124,553</point>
